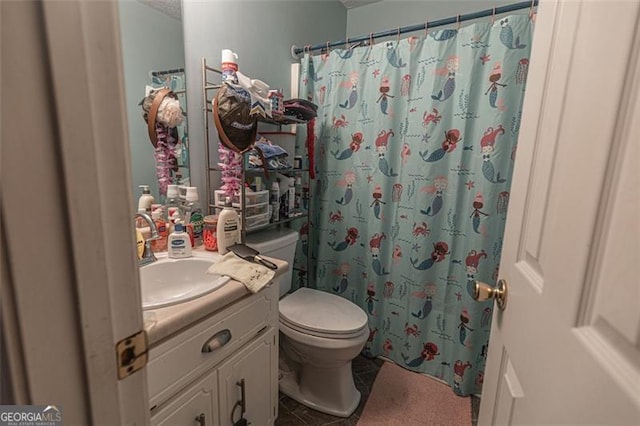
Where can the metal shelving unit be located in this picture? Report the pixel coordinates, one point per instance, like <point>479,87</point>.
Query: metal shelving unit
<point>211,82</point>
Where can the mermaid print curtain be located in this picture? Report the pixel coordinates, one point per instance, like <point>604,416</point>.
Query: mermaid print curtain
<point>415,142</point>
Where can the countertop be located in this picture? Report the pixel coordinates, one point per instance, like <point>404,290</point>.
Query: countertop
<point>164,322</point>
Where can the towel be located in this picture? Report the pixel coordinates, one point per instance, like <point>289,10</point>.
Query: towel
<point>252,275</point>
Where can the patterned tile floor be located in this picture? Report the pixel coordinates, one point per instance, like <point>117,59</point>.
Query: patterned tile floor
<point>365,370</point>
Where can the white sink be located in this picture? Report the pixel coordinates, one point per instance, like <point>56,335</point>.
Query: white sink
<point>170,281</point>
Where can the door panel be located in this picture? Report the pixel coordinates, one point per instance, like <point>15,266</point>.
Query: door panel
<point>198,401</point>
<point>566,349</point>
<point>257,365</point>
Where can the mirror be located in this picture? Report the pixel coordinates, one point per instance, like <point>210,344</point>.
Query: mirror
<point>153,56</point>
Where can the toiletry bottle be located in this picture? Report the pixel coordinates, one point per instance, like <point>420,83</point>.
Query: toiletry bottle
<point>229,66</point>
<point>193,214</point>
<point>182,191</point>
<point>305,196</point>
<point>284,200</point>
<point>298,195</point>
<point>228,230</point>
<point>145,200</point>
<point>210,233</point>
<point>139,243</point>
<point>161,243</point>
<point>179,245</point>
<point>274,200</point>
<point>291,199</point>
<point>172,205</point>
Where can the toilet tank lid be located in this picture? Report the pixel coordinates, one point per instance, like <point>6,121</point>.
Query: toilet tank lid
<point>271,239</point>
<point>320,311</point>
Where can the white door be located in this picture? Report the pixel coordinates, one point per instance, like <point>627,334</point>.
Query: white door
<point>566,350</point>
<point>69,288</point>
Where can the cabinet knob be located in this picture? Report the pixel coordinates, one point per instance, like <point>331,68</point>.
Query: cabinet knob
<point>201,420</point>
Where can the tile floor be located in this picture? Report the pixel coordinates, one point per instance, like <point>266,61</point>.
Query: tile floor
<point>291,413</point>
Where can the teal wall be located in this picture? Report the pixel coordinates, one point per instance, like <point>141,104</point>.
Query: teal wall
<point>150,41</point>
<point>261,33</point>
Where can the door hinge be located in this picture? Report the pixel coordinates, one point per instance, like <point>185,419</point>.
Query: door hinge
<point>131,354</point>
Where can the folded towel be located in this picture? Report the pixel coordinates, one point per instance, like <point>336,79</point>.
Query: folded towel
<point>252,275</point>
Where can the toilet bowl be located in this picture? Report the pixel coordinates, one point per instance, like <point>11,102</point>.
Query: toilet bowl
<point>320,334</point>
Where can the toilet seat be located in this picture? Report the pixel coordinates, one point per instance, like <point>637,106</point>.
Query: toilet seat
<point>322,314</point>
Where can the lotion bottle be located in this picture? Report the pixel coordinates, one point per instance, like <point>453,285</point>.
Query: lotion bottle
<point>274,200</point>
<point>291,208</point>
<point>145,200</point>
<point>228,230</point>
<point>179,243</point>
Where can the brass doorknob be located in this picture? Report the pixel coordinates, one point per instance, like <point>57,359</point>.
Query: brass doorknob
<point>484,292</point>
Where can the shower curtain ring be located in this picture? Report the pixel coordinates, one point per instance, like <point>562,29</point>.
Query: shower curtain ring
<point>348,47</point>
<point>398,39</point>
<point>458,22</point>
<point>370,39</point>
<point>327,52</point>
<point>531,12</point>
<point>493,16</point>
<point>426,28</point>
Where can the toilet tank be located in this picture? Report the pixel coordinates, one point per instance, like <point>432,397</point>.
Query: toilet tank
<point>278,243</point>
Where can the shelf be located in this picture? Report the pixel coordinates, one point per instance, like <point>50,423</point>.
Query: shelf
<point>270,132</point>
<point>261,170</point>
<point>210,81</point>
<point>282,121</point>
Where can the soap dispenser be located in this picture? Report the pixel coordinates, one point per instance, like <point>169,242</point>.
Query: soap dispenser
<point>179,243</point>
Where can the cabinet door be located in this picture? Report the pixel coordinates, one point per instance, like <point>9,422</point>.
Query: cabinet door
<point>197,405</point>
<point>257,364</point>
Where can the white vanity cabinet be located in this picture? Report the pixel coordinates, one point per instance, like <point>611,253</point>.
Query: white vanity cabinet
<point>196,377</point>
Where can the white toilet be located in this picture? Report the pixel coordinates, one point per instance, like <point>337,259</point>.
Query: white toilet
<point>320,334</point>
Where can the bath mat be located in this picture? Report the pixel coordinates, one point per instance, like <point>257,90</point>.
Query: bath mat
<point>402,397</point>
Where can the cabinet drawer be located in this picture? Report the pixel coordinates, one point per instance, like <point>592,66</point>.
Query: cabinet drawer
<point>179,360</point>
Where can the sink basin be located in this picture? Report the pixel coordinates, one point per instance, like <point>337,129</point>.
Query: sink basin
<point>170,281</point>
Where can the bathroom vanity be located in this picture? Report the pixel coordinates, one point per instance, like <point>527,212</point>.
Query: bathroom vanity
<point>215,358</point>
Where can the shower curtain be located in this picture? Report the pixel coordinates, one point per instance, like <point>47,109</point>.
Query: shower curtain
<point>415,142</point>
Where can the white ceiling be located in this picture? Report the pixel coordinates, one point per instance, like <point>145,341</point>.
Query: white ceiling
<point>172,7</point>
<point>350,4</point>
<point>168,7</point>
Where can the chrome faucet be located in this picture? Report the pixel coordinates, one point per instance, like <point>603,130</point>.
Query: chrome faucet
<point>147,255</point>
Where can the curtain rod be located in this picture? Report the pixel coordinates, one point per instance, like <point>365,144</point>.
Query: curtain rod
<point>295,51</point>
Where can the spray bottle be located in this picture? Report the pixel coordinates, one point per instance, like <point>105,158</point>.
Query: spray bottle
<point>229,66</point>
